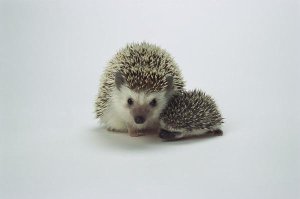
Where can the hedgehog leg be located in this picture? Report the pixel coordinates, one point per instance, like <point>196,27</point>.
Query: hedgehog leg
<point>116,130</point>
<point>217,132</point>
<point>169,135</point>
<point>133,132</point>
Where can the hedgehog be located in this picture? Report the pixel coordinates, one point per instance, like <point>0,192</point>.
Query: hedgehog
<point>190,113</point>
<point>135,88</point>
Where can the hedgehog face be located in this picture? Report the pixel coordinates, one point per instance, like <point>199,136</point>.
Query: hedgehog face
<point>139,109</point>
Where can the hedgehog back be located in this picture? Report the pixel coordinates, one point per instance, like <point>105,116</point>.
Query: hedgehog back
<point>191,110</point>
<point>144,67</point>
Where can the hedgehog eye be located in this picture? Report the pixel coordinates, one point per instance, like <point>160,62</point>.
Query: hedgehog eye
<point>153,103</point>
<point>130,101</point>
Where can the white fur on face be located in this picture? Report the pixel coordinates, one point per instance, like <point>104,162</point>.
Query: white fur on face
<point>120,104</point>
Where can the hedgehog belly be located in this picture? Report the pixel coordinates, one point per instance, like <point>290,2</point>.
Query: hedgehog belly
<point>190,113</point>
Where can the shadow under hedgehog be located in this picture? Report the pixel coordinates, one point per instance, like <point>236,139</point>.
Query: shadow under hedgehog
<point>136,87</point>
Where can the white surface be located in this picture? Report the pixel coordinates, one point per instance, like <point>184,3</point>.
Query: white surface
<point>244,53</point>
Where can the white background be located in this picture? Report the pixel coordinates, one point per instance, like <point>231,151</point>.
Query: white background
<point>244,53</point>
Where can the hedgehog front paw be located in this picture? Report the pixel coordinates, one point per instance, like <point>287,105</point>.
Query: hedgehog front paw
<point>116,130</point>
<point>217,132</point>
<point>135,132</point>
<point>168,135</point>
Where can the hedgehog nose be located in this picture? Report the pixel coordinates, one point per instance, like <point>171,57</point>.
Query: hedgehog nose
<point>139,119</point>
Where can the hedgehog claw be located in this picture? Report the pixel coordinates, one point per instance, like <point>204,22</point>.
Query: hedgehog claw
<point>168,135</point>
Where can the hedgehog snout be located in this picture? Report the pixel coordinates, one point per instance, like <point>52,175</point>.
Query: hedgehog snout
<point>139,119</point>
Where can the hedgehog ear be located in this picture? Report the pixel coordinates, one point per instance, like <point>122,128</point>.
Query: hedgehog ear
<point>170,85</point>
<point>119,80</point>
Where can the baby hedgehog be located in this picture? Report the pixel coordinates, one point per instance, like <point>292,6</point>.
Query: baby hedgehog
<point>190,113</point>
<point>135,88</point>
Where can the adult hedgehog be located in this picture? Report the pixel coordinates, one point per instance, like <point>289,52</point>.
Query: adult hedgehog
<point>135,88</point>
